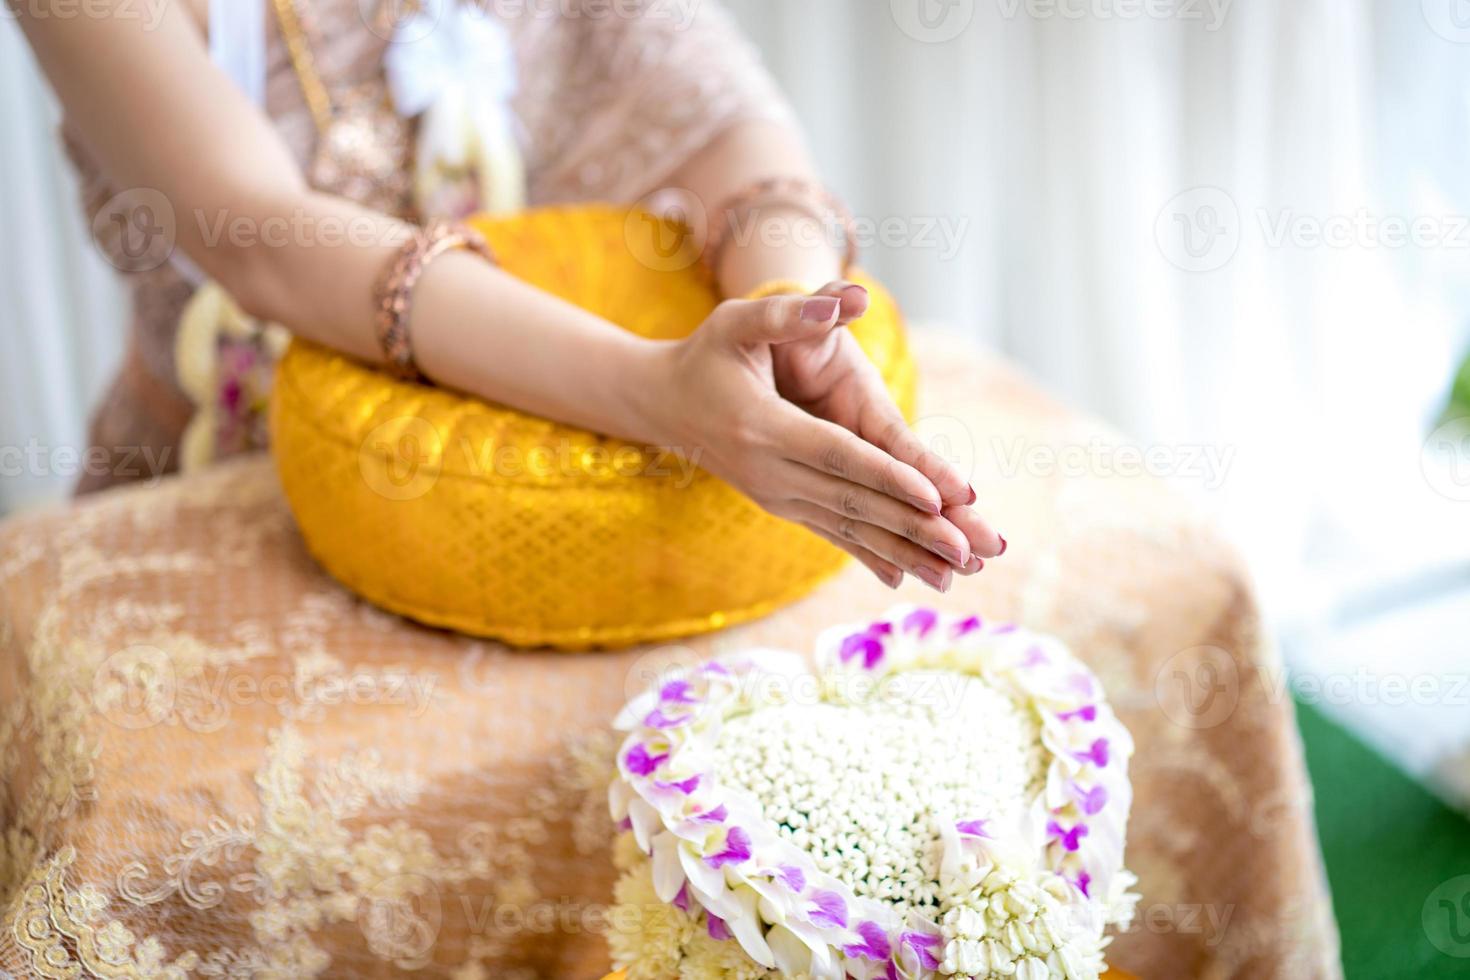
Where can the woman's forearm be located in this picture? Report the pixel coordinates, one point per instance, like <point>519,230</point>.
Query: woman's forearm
<point>474,327</point>
<point>242,212</point>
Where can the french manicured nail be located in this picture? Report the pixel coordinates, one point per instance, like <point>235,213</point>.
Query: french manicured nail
<point>938,581</point>
<point>1002,545</point>
<point>820,310</point>
<point>950,553</point>
<point>973,497</point>
<point>927,506</point>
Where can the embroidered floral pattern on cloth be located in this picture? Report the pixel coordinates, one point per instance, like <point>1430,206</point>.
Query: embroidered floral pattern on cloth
<point>947,797</point>
<point>215,761</point>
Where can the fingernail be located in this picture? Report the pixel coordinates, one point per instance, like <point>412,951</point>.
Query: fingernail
<point>821,309</point>
<point>1002,545</point>
<point>973,497</point>
<point>927,506</point>
<point>854,291</point>
<point>949,552</point>
<point>979,561</point>
<point>938,581</point>
<point>893,579</point>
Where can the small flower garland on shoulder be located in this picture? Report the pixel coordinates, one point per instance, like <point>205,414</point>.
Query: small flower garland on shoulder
<point>945,798</point>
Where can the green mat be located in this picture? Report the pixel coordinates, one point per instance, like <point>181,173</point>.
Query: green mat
<point>1393,853</point>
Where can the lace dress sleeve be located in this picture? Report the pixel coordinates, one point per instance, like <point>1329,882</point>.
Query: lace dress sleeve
<point>624,93</point>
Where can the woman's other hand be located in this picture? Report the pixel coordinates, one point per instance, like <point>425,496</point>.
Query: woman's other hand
<point>774,397</point>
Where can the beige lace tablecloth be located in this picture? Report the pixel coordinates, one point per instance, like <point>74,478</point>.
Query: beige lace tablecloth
<point>217,763</point>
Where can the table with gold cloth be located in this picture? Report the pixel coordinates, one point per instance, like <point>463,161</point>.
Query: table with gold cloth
<point>218,763</point>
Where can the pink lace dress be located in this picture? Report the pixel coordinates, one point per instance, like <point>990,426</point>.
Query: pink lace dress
<point>610,105</point>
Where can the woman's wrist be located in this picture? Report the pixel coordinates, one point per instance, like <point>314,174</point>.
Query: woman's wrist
<point>784,243</point>
<point>643,394</point>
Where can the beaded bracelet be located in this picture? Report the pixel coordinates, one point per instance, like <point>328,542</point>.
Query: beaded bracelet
<point>791,192</point>
<point>394,291</point>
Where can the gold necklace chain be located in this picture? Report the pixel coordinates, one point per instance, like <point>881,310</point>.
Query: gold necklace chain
<point>298,46</point>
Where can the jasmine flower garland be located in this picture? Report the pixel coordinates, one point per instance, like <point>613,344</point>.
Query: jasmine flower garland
<point>947,798</point>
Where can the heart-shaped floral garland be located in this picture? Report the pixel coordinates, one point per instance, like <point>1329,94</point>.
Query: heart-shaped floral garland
<point>1025,890</point>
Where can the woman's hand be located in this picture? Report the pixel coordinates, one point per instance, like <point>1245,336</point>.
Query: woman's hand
<point>717,395</point>
<point>832,378</point>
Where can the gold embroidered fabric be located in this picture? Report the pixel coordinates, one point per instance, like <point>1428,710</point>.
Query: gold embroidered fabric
<point>217,763</point>
<point>457,513</point>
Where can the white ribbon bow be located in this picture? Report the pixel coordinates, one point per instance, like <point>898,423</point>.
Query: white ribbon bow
<point>453,64</point>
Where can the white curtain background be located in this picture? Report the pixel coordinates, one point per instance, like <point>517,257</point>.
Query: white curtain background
<point>1038,164</point>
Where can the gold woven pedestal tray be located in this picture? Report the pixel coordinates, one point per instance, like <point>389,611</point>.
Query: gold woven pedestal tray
<point>471,516</point>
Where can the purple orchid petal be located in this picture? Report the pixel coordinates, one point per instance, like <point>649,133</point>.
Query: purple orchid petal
<point>974,828</point>
<point>677,692</point>
<point>1071,840</point>
<point>828,909</point>
<point>866,644</point>
<point>686,786</point>
<point>717,815</point>
<point>1004,629</point>
<point>657,719</point>
<point>1091,800</point>
<point>968,625</point>
<point>714,668</point>
<point>1035,657</point>
<point>717,927</point>
<point>875,945</point>
<point>1082,684</point>
<point>1097,754</point>
<point>681,900</point>
<point>791,877</point>
<point>626,823</point>
<point>920,621</point>
<point>881,628</point>
<point>737,849</point>
<point>1087,712</point>
<point>640,763</point>
<point>1083,881</point>
<point>924,946</point>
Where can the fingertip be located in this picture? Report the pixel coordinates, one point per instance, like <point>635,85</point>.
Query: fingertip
<point>985,541</point>
<point>854,300</point>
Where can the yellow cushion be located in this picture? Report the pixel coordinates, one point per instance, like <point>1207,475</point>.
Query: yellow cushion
<point>472,516</point>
